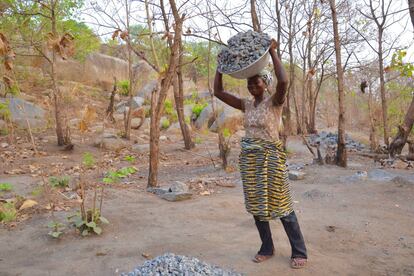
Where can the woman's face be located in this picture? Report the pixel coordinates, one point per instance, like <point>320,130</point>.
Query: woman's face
<point>256,86</point>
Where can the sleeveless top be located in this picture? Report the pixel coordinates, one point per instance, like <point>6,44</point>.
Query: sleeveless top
<point>263,121</point>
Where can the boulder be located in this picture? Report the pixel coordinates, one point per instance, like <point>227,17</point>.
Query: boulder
<point>188,110</point>
<point>123,105</point>
<point>178,187</point>
<point>21,110</point>
<point>136,123</point>
<point>206,118</point>
<point>230,118</point>
<point>110,143</point>
<point>100,68</point>
<point>141,147</point>
<point>296,175</point>
<point>176,196</point>
<point>147,88</point>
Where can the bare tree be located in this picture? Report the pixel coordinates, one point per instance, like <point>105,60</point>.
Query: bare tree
<point>341,156</point>
<point>158,96</point>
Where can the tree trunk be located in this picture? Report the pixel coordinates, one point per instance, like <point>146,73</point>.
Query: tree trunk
<point>179,102</point>
<point>255,19</point>
<point>62,129</point>
<point>157,104</point>
<point>404,131</point>
<point>382,89</point>
<point>127,122</point>
<point>341,155</point>
<point>411,7</point>
<point>372,133</point>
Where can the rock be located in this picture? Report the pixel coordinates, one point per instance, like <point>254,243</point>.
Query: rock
<point>230,118</point>
<point>188,110</point>
<point>100,68</point>
<point>123,105</point>
<point>3,125</point>
<point>4,145</point>
<point>147,89</point>
<point>21,109</point>
<point>296,175</point>
<point>157,191</point>
<point>135,123</point>
<point>74,123</point>
<point>176,196</point>
<point>380,175</point>
<point>163,138</point>
<point>119,117</point>
<point>141,147</point>
<point>206,118</point>
<point>403,181</point>
<point>178,187</point>
<point>110,142</point>
<point>315,194</point>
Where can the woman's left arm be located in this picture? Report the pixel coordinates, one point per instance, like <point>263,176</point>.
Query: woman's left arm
<point>279,96</point>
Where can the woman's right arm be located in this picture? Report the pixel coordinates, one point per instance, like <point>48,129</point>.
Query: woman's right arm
<point>225,96</point>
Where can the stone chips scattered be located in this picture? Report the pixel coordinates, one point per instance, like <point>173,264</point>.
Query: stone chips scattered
<point>171,264</point>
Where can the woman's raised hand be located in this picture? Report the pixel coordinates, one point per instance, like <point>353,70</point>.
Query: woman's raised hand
<point>273,44</point>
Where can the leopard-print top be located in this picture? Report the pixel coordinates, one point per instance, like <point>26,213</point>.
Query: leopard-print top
<point>263,121</point>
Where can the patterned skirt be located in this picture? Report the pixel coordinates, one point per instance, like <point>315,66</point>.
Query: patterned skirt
<point>265,183</point>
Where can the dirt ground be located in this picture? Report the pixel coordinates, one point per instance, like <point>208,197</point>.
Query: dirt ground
<point>358,227</point>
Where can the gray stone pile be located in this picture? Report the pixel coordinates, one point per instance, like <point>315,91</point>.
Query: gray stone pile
<point>331,139</point>
<point>171,264</point>
<point>243,49</point>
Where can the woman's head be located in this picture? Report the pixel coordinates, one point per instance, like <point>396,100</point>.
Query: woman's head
<point>259,83</point>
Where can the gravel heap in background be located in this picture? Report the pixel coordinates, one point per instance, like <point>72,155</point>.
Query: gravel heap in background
<point>331,139</point>
<point>171,264</point>
<point>243,49</point>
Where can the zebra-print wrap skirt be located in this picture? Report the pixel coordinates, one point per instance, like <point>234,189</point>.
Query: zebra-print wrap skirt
<point>264,176</point>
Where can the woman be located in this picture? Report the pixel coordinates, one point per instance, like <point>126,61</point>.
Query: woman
<point>263,161</point>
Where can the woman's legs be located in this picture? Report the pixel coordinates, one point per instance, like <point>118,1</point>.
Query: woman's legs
<point>266,236</point>
<point>291,225</point>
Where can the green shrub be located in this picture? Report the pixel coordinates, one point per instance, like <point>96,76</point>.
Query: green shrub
<point>59,182</point>
<point>165,123</point>
<point>197,108</point>
<point>123,86</point>
<point>168,107</point>
<point>88,160</point>
<point>198,140</point>
<point>8,212</point>
<point>6,187</point>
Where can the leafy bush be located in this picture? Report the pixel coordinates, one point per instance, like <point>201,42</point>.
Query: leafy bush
<point>197,108</point>
<point>59,182</point>
<point>8,212</point>
<point>168,107</point>
<point>165,123</point>
<point>90,224</point>
<point>123,86</point>
<point>56,229</point>
<point>115,176</point>
<point>6,187</point>
<point>88,160</point>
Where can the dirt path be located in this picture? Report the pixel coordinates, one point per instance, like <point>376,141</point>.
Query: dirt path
<point>370,225</point>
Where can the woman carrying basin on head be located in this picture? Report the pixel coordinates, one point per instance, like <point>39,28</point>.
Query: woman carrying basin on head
<point>263,161</point>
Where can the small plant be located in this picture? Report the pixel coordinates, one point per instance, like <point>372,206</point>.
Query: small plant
<point>89,223</point>
<point>187,119</point>
<point>5,111</point>
<point>123,87</point>
<point>130,159</point>
<point>226,133</point>
<point>59,182</point>
<point>56,229</point>
<point>165,123</point>
<point>88,160</point>
<point>37,191</point>
<point>197,108</point>
<point>115,176</point>
<point>168,107</point>
<point>6,187</point>
<point>8,212</point>
<point>198,140</point>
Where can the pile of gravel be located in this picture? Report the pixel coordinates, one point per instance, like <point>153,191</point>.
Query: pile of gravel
<point>331,139</point>
<point>243,49</point>
<point>171,264</point>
